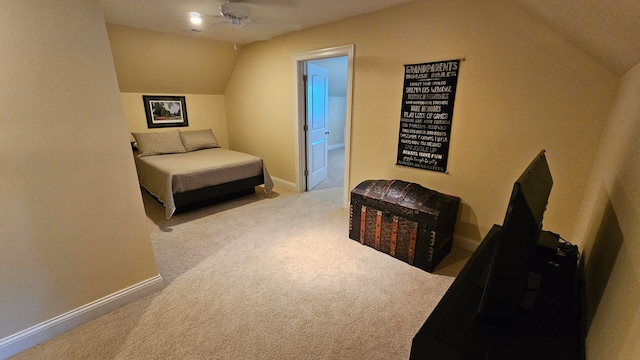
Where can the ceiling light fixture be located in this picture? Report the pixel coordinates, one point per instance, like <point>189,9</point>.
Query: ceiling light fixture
<point>195,18</point>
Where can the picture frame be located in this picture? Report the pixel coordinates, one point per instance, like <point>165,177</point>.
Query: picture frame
<point>165,111</point>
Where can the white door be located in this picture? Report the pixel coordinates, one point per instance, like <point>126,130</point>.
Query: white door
<point>317,124</point>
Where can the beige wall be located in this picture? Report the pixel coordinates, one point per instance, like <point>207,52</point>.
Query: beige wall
<point>521,89</point>
<point>72,224</point>
<point>153,62</point>
<point>609,224</point>
<point>337,121</point>
<point>203,112</point>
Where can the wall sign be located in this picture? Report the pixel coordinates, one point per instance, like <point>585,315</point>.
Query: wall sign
<point>427,109</point>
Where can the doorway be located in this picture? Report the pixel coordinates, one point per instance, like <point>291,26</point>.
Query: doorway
<point>323,144</point>
<point>326,112</point>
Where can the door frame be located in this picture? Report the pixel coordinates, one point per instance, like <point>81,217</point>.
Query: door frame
<point>299,116</point>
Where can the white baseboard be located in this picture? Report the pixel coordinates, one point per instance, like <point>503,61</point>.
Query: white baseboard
<point>465,243</point>
<point>285,185</point>
<point>335,146</point>
<point>44,331</point>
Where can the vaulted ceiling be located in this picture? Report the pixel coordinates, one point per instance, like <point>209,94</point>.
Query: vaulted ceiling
<point>608,31</point>
<point>268,18</point>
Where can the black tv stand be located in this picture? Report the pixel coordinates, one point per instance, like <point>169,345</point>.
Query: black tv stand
<point>534,282</point>
<point>533,286</point>
<point>548,329</point>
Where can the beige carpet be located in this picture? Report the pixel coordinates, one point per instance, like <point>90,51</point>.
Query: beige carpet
<point>264,277</point>
<point>335,170</point>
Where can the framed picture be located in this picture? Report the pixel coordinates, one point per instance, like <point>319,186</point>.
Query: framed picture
<point>165,111</point>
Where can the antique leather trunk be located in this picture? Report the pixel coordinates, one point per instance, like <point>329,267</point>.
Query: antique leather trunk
<point>405,220</point>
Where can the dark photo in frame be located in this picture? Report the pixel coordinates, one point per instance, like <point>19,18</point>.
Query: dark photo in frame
<point>165,111</point>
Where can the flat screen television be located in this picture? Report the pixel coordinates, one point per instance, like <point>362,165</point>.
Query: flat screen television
<point>507,277</point>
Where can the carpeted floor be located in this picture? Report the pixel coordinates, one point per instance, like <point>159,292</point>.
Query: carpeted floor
<point>335,170</point>
<point>264,277</point>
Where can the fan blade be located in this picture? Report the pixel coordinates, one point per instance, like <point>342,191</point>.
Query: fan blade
<point>265,3</point>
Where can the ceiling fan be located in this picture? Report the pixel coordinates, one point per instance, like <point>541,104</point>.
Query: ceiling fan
<point>264,16</point>
<point>236,12</point>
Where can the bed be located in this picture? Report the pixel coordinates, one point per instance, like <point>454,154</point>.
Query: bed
<point>188,169</point>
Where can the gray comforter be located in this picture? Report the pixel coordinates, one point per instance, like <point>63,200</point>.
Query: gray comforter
<point>165,175</point>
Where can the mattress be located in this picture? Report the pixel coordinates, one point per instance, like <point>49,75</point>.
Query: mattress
<point>168,174</point>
